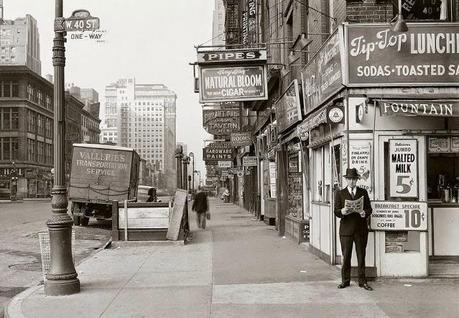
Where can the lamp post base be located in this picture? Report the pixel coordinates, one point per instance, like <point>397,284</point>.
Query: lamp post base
<point>62,287</point>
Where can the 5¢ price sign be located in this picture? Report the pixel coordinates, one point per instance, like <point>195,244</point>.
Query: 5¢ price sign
<point>399,216</point>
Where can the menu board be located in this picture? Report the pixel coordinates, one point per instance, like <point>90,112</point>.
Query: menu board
<point>295,188</point>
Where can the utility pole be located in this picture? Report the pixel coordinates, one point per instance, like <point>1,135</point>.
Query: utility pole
<point>62,277</point>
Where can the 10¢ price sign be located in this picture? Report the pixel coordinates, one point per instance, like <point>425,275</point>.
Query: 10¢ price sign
<point>399,216</point>
<point>403,168</point>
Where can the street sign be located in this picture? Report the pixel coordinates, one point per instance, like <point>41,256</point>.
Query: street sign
<point>81,20</point>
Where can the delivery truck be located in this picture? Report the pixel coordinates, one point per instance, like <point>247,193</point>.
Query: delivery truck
<point>101,174</point>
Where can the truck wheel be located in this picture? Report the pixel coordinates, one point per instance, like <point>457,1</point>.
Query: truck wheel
<point>84,221</point>
<point>76,220</point>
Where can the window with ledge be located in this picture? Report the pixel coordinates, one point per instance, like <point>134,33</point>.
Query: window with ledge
<point>427,10</point>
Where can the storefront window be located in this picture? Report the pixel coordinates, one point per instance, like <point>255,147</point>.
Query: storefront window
<point>317,190</point>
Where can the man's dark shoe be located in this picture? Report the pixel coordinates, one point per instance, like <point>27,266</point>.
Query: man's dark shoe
<point>365,286</point>
<point>343,285</point>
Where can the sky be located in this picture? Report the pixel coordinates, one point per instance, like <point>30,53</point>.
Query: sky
<point>151,40</point>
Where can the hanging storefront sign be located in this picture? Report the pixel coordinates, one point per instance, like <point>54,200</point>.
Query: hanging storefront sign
<point>232,56</point>
<point>399,216</point>
<point>322,77</point>
<point>225,164</point>
<point>221,121</point>
<point>427,54</point>
<point>252,20</point>
<point>249,161</point>
<point>236,83</point>
<point>335,114</point>
<point>429,108</point>
<point>403,168</point>
<point>241,139</point>
<point>360,158</point>
<point>288,107</point>
<point>218,151</point>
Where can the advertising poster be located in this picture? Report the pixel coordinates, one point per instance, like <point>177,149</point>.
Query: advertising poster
<point>322,77</point>
<point>399,216</point>
<point>439,144</point>
<point>236,83</point>
<point>360,158</point>
<point>403,168</point>
<point>288,108</point>
<point>272,179</point>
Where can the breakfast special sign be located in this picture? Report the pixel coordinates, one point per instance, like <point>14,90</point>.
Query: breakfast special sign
<point>427,54</point>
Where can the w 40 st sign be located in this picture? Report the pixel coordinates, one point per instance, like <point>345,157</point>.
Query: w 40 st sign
<point>80,20</point>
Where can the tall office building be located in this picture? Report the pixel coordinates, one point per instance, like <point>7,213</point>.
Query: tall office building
<point>20,42</point>
<point>218,23</point>
<point>143,117</point>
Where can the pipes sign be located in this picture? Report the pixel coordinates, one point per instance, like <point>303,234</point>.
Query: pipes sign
<point>403,168</point>
<point>399,216</point>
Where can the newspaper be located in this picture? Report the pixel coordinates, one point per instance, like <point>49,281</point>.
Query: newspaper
<point>354,206</point>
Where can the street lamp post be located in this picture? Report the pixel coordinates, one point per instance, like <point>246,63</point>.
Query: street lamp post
<point>62,277</point>
<point>191,155</point>
<point>178,158</point>
<point>185,162</point>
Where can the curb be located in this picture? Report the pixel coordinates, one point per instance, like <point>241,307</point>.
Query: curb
<point>13,308</point>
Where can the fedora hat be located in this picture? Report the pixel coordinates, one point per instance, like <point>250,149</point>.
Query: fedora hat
<point>352,173</point>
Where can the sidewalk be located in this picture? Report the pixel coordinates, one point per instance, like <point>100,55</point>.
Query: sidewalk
<point>238,267</point>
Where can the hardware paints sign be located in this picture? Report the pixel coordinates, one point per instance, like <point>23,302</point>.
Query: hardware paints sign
<point>426,54</point>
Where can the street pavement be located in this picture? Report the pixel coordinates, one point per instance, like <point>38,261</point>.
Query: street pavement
<point>237,267</point>
<point>20,258</point>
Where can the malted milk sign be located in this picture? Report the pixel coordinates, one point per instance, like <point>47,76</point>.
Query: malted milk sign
<point>399,216</point>
<point>403,168</point>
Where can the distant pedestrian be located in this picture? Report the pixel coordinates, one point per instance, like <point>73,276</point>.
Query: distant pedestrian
<point>201,207</point>
<point>352,206</point>
<point>152,197</point>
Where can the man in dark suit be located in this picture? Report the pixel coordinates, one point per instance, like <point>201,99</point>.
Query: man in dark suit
<point>201,206</point>
<point>353,228</point>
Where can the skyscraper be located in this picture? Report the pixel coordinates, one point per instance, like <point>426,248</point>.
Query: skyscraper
<point>20,42</point>
<point>143,117</point>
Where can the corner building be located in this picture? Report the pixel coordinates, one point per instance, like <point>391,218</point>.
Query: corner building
<point>391,112</point>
